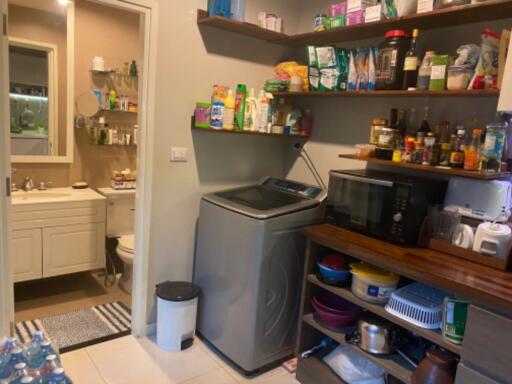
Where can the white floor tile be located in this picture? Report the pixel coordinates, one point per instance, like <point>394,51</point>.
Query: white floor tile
<point>220,376</point>
<point>80,368</point>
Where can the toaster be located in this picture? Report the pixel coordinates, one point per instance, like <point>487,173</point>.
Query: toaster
<point>488,200</point>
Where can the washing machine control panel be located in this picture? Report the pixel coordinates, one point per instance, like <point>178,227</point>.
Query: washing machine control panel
<point>298,189</point>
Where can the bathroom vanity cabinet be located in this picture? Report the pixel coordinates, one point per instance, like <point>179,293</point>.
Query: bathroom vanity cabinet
<point>57,236</point>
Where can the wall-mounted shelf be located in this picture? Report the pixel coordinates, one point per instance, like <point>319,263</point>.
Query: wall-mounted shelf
<point>462,93</point>
<point>241,28</point>
<point>118,111</point>
<point>434,336</point>
<point>109,72</point>
<point>447,17</point>
<point>393,364</point>
<point>431,169</point>
<point>247,133</point>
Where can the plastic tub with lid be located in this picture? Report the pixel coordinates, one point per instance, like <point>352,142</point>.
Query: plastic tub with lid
<point>390,63</point>
<point>373,284</point>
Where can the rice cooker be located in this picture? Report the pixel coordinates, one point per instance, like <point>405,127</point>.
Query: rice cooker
<point>493,239</point>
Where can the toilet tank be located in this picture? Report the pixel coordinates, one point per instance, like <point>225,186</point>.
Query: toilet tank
<point>120,211</point>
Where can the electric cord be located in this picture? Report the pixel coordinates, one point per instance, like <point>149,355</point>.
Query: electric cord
<point>110,280</point>
<point>310,164</point>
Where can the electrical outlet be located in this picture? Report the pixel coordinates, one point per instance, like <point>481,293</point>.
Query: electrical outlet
<point>178,155</point>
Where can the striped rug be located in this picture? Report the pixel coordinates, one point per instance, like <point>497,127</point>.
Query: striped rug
<point>79,329</point>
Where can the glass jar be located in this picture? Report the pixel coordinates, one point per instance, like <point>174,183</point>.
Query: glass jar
<point>375,131</point>
<point>387,138</point>
<point>425,71</point>
<point>493,147</point>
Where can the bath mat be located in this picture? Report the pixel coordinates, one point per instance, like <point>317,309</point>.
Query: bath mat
<point>79,329</point>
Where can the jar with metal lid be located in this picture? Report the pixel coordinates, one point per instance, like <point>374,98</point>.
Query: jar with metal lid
<point>377,125</point>
<point>387,137</point>
<point>390,63</point>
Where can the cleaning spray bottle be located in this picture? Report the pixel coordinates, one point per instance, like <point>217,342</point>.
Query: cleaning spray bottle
<point>251,112</point>
<point>240,100</point>
<point>229,111</point>
<point>263,110</point>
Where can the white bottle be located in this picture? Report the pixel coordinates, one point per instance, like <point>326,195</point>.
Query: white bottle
<point>263,110</point>
<point>251,112</point>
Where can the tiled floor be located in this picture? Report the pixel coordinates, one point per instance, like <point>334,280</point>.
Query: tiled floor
<point>48,297</point>
<point>133,361</point>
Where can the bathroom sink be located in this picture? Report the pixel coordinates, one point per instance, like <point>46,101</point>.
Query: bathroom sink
<point>39,195</point>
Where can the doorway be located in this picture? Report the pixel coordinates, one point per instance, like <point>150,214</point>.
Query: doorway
<point>147,12</point>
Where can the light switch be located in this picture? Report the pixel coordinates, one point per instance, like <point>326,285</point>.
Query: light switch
<point>178,155</point>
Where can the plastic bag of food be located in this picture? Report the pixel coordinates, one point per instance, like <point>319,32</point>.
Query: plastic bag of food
<point>343,68</point>
<point>354,368</point>
<point>314,79</point>
<point>399,8</point>
<point>468,56</point>
<point>362,69</point>
<point>326,57</point>
<point>486,73</point>
<point>371,68</point>
<point>352,72</point>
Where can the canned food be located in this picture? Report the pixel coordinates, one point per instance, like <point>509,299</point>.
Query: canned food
<point>455,313</point>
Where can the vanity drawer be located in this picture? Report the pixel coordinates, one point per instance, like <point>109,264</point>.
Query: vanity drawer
<point>53,215</point>
<point>466,375</point>
<point>488,344</point>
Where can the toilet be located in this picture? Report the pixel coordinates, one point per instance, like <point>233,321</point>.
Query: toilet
<point>120,225</point>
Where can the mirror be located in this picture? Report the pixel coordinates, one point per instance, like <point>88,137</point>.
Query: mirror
<point>87,104</point>
<point>41,50</point>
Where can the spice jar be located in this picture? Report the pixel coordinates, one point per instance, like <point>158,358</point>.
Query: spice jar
<point>377,125</point>
<point>387,138</point>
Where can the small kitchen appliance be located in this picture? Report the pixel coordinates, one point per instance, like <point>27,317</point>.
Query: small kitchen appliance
<point>493,239</point>
<point>479,199</point>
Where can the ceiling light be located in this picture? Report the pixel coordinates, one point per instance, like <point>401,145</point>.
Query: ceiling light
<point>63,2</point>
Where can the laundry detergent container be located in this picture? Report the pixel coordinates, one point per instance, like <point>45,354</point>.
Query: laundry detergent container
<point>176,314</point>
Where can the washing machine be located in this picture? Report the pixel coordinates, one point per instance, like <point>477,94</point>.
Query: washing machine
<point>249,264</point>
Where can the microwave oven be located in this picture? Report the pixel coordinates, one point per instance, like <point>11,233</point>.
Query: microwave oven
<point>381,204</point>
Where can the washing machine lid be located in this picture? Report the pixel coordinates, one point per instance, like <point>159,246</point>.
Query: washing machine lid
<point>127,243</point>
<point>270,198</point>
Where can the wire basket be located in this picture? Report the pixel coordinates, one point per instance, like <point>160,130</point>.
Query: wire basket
<point>419,304</point>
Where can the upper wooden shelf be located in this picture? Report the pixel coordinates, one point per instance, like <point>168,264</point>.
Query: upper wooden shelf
<point>469,280</point>
<point>431,169</point>
<point>248,133</point>
<point>447,17</point>
<point>239,27</point>
<point>398,93</point>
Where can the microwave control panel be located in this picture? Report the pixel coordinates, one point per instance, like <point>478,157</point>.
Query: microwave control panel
<point>401,202</point>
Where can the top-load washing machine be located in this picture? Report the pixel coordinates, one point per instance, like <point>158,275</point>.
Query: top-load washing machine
<point>249,264</point>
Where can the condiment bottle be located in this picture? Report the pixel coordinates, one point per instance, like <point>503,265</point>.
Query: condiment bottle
<point>492,150</point>
<point>428,150</point>
<point>425,71</point>
<point>472,159</point>
<point>457,155</point>
<point>446,151</point>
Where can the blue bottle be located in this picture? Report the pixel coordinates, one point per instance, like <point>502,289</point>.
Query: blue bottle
<point>20,371</point>
<point>17,356</point>
<point>33,349</point>
<point>238,10</point>
<point>46,350</point>
<point>219,8</point>
<point>5,351</point>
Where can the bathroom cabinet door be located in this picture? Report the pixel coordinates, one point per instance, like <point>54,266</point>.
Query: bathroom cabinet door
<point>74,248</point>
<point>27,255</point>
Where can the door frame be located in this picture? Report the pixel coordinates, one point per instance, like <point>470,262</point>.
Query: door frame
<point>148,11</point>
<point>6,280</point>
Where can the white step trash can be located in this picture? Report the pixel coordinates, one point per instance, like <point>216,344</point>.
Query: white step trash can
<point>176,315</point>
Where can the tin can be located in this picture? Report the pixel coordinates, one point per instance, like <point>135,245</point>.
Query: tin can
<point>321,22</point>
<point>455,314</point>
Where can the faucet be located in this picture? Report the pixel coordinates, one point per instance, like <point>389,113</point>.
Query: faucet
<point>14,188</point>
<point>28,184</point>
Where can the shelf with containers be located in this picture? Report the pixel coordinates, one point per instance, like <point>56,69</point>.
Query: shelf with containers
<point>481,285</point>
<point>391,93</point>
<point>247,133</point>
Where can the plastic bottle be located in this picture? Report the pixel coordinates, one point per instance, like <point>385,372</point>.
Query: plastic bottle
<point>20,371</point>
<point>33,349</point>
<point>240,100</point>
<point>217,115</point>
<point>251,112</point>
<point>472,159</point>
<point>112,100</point>
<point>457,155</point>
<point>307,123</point>
<point>7,369</point>
<point>51,363</point>
<point>219,8</point>
<point>238,10</point>
<point>494,144</point>
<point>263,111</point>
<point>229,112</point>
<point>425,71</point>
<point>47,349</point>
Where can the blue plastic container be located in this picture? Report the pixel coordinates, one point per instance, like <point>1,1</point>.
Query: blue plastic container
<point>334,276</point>
<point>219,8</point>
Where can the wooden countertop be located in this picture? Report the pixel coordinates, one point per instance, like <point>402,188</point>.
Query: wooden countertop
<point>469,280</point>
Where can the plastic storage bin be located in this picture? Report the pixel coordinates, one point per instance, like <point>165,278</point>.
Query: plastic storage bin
<point>176,315</point>
<point>373,284</point>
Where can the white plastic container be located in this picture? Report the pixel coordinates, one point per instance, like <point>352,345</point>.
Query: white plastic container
<point>373,284</point>
<point>176,315</point>
<point>98,63</point>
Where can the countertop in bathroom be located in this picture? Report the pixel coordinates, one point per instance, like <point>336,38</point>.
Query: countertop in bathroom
<point>55,195</point>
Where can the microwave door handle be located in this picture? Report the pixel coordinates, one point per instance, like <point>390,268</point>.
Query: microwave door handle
<point>384,183</point>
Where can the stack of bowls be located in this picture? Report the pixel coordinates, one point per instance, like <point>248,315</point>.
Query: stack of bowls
<point>334,311</point>
<point>334,269</point>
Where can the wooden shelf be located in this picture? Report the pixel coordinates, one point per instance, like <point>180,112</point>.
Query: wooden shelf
<point>235,132</point>
<point>314,371</point>
<point>118,111</point>
<point>439,18</point>
<point>109,72</point>
<point>447,17</point>
<point>330,94</point>
<point>431,169</point>
<point>395,364</point>
<point>241,28</point>
<point>434,336</point>
<point>469,280</point>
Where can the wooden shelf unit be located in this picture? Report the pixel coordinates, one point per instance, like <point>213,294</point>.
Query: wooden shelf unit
<point>434,336</point>
<point>431,169</point>
<point>333,94</point>
<point>313,371</point>
<point>239,27</point>
<point>248,133</point>
<point>438,18</point>
<point>394,364</point>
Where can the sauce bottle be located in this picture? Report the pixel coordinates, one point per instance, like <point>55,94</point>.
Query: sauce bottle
<point>472,160</point>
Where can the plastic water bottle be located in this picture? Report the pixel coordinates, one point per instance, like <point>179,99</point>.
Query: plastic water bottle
<point>46,349</point>
<point>33,349</point>
<point>20,370</point>
<point>51,364</point>
<point>219,8</point>
<point>16,356</point>
<point>5,350</point>
<point>58,376</point>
